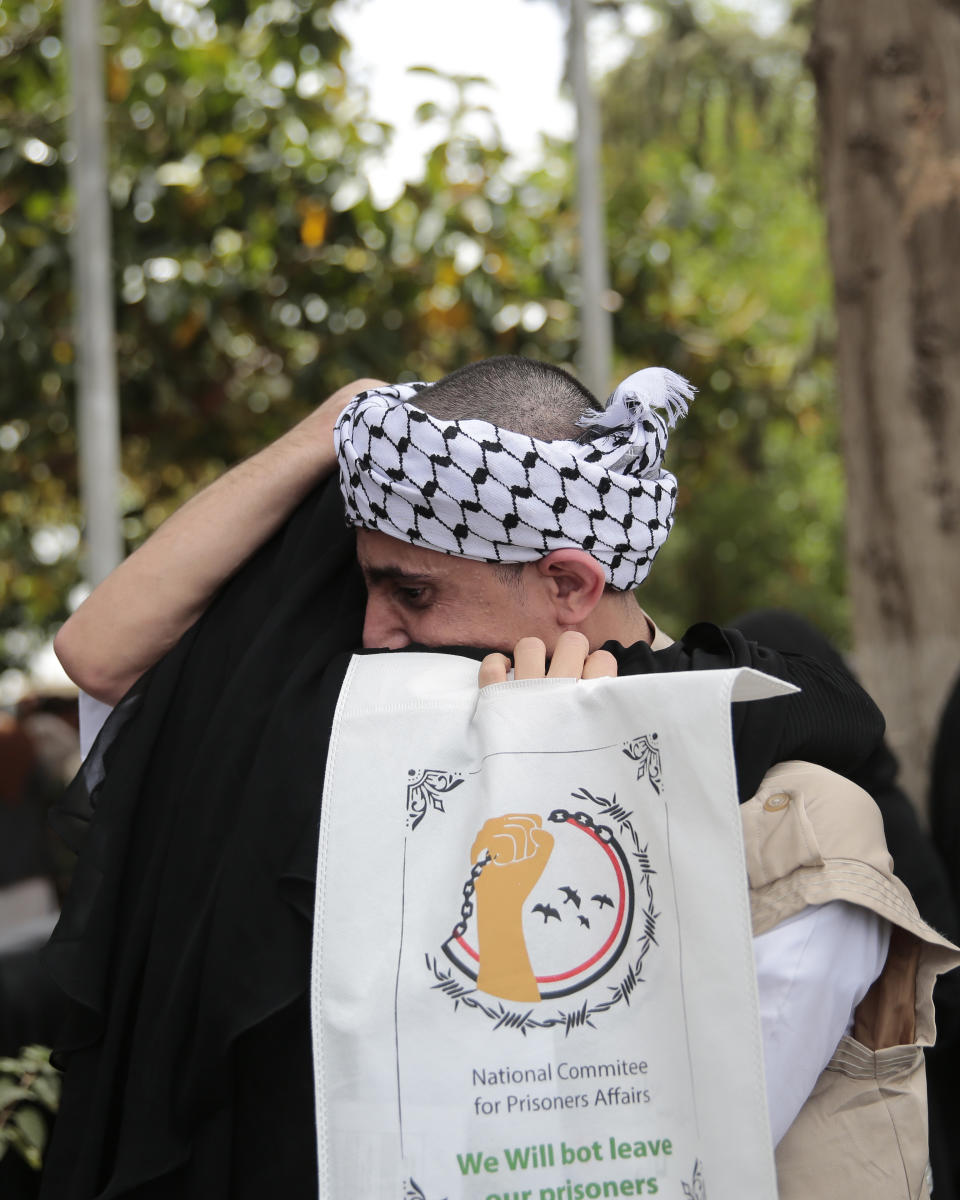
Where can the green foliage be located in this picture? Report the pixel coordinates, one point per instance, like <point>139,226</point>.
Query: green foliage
<point>718,253</point>
<point>255,274</point>
<point>246,253</point>
<point>29,1090</point>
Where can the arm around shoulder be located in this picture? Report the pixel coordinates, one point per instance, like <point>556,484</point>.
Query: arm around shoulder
<point>143,607</point>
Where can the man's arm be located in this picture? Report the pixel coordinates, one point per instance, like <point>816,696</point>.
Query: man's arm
<point>143,607</point>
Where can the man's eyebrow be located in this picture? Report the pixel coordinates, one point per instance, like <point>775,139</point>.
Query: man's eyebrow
<point>393,574</point>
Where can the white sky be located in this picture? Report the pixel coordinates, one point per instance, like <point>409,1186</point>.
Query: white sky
<point>517,44</point>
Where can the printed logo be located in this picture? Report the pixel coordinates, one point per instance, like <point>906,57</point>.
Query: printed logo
<point>553,907</point>
<point>550,908</point>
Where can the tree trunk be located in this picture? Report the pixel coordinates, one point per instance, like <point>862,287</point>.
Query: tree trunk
<point>889,99</point>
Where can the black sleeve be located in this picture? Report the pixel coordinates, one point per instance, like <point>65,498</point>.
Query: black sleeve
<point>831,721</point>
<point>183,948</point>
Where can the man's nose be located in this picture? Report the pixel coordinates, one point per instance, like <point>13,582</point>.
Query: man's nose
<point>382,629</point>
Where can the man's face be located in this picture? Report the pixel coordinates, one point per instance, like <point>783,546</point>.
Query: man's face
<point>432,599</point>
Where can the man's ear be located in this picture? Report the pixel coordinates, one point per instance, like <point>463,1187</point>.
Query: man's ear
<point>575,583</point>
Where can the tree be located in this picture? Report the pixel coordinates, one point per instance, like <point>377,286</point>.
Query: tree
<point>246,246</point>
<point>889,104</point>
<point>254,274</point>
<point>718,254</point>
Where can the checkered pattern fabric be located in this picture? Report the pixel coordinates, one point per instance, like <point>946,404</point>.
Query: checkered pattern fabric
<point>472,489</point>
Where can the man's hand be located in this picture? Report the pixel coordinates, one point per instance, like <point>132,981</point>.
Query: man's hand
<point>145,606</point>
<point>571,660</point>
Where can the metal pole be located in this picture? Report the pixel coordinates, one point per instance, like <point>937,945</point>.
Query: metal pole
<point>596,326</point>
<point>98,419</point>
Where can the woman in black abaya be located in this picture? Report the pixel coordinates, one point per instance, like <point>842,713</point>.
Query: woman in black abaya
<point>184,947</point>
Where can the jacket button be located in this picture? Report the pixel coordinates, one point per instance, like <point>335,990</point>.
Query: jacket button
<point>777,802</point>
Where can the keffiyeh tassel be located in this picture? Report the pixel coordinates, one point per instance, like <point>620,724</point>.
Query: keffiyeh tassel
<point>641,393</point>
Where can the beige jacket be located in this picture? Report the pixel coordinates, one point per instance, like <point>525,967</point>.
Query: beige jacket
<point>812,836</point>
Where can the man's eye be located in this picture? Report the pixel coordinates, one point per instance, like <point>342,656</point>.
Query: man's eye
<point>412,597</point>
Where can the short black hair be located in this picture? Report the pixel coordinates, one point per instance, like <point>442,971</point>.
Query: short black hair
<point>521,394</point>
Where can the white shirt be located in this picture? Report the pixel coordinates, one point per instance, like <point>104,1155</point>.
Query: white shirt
<point>813,969</point>
<point>93,715</point>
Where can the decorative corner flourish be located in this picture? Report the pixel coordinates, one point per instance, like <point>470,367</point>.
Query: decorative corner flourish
<point>412,1190</point>
<point>696,1189</point>
<point>645,752</point>
<point>426,789</point>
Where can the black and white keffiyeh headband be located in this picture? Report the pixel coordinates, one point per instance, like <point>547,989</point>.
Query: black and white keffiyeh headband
<point>472,489</point>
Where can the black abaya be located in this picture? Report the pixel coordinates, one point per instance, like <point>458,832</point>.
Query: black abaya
<point>184,946</point>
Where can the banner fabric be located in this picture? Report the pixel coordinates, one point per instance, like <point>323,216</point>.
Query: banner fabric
<point>532,970</point>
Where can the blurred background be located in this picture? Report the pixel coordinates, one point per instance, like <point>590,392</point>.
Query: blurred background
<point>270,199</point>
<point>763,196</point>
<point>300,192</point>
<point>293,207</point>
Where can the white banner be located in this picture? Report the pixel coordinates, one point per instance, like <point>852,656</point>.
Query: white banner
<point>533,975</point>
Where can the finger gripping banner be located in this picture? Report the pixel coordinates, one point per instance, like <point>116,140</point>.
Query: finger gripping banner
<point>532,969</point>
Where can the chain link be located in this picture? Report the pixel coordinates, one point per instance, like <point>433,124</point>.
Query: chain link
<point>559,816</point>
<point>466,908</point>
<point>603,832</point>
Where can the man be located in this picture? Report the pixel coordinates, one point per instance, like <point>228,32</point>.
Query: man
<point>461,491</point>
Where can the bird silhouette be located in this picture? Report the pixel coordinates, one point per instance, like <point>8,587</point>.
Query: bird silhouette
<point>602,900</point>
<point>584,921</point>
<point>548,911</point>
<point>571,894</point>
